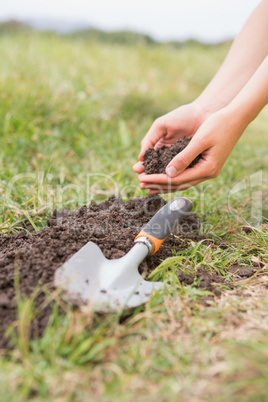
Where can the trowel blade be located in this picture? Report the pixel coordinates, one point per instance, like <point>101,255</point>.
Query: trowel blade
<point>108,285</point>
<point>79,275</point>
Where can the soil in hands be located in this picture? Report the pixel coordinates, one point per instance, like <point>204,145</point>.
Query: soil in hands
<point>156,160</point>
<point>112,225</point>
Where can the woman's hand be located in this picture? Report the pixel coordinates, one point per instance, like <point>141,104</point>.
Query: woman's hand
<point>214,139</point>
<point>166,130</point>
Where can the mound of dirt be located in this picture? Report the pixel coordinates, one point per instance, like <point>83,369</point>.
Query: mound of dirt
<point>156,160</point>
<point>112,225</point>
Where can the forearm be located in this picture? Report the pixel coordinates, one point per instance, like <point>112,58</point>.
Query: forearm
<point>246,54</point>
<point>252,98</point>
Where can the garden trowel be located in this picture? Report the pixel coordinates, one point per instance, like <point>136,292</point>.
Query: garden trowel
<point>111,285</point>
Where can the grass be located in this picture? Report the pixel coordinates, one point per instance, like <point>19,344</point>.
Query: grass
<point>73,113</point>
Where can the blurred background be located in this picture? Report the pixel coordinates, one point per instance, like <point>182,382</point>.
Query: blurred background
<point>204,20</point>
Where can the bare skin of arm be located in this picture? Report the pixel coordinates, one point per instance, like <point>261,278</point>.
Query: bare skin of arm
<point>215,138</point>
<point>216,119</point>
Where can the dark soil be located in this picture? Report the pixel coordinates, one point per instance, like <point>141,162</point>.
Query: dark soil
<point>205,279</point>
<point>244,272</point>
<point>112,225</point>
<point>156,160</point>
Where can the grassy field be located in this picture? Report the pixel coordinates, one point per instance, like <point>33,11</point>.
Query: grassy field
<point>72,114</point>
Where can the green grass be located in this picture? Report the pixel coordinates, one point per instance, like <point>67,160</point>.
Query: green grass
<point>72,114</point>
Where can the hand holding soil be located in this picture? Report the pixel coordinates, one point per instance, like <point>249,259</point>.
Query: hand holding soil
<point>214,140</point>
<point>214,136</point>
<point>155,161</point>
<point>218,117</point>
<point>168,129</point>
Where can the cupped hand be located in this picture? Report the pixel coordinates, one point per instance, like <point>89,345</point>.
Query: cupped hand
<point>166,130</point>
<point>214,139</point>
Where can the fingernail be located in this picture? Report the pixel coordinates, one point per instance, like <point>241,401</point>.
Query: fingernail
<point>171,171</point>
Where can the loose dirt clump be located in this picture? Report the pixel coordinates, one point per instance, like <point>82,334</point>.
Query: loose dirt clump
<point>244,271</point>
<point>204,280</point>
<point>156,160</point>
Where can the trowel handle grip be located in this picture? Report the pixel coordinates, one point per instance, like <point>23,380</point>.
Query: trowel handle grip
<point>165,221</point>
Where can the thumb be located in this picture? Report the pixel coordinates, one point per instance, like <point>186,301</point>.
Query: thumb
<point>181,161</point>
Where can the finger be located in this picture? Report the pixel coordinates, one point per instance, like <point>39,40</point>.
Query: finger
<point>173,189</point>
<point>154,192</point>
<point>169,188</point>
<point>157,131</point>
<point>200,170</point>
<point>138,167</point>
<point>154,178</point>
<point>155,186</point>
<point>181,161</point>
<point>180,187</point>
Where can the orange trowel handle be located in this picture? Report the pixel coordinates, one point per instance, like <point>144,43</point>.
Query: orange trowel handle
<point>165,221</point>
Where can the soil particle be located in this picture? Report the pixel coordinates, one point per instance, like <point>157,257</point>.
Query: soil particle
<point>156,160</point>
<point>26,224</point>
<point>248,229</point>
<point>4,300</point>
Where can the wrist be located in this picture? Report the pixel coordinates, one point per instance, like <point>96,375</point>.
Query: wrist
<point>202,109</point>
<point>210,104</point>
<point>235,119</point>
<point>239,113</point>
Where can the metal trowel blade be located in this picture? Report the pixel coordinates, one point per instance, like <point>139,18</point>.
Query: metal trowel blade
<point>108,285</point>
